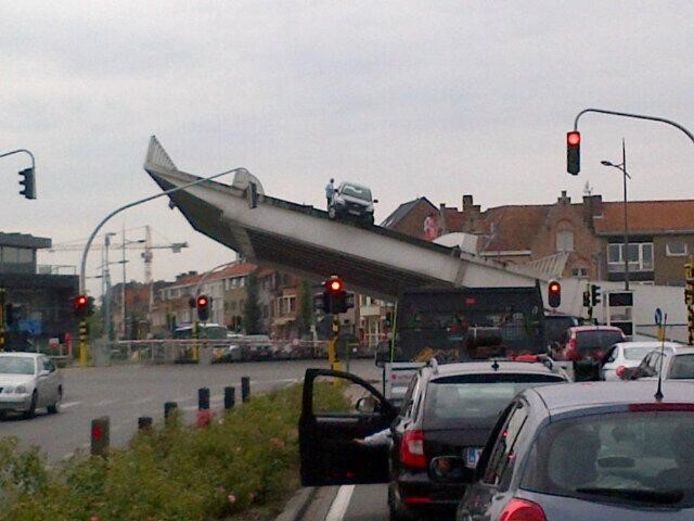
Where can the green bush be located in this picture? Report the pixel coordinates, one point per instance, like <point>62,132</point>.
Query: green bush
<point>242,467</point>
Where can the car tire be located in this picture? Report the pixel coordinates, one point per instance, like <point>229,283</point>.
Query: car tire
<point>55,407</point>
<point>369,220</point>
<point>332,213</point>
<point>31,412</point>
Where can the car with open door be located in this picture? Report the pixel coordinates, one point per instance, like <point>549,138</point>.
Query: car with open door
<point>328,428</point>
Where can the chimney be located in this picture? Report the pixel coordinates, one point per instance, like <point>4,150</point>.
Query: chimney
<point>467,202</point>
<point>592,208</point>
<point>442,218</point>
<point>564,199</point>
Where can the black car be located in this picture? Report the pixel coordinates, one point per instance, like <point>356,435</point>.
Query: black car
<point>587,451</point>
<point>448,410</point>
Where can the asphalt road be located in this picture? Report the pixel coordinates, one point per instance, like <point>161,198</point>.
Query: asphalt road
<point>125,393</point>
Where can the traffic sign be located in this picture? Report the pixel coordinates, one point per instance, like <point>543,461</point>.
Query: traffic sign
<point>658,317</point>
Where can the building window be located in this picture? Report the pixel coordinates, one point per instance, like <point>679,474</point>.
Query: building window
<point>676,249</point>
<point>565,240</point>
<point>640,257</point>
<point>579,272</point>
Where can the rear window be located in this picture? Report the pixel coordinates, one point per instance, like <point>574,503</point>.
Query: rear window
<point>635,457</point>
<point>682,368</point>
<point>599,339</point>
<point>636,353</point>
<point>475,400</point>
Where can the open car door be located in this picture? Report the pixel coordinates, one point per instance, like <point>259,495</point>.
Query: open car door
<point>338,407</point>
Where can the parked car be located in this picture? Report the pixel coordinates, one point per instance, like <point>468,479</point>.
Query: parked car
<point>627,355</point>
<point>448,409</point>
<point>352,200</point>
<point>29,381</point>
<point>673,362</point>
<point>586,451</point>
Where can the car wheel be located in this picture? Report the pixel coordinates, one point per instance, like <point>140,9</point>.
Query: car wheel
<point>32,407</point>
<point>369,220</point>
<point>332,213</point>
<point>54,408</point>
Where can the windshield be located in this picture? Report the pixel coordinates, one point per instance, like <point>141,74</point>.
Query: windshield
<point>16,365</point>
<point>359,192</point>
<point>598,339</point>
<point>682,368</point>
<point>643,457</point>
<point>475,400</point>
<point>636,353</point>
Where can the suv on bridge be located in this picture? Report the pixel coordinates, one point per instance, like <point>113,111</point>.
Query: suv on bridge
<point>352,200</point>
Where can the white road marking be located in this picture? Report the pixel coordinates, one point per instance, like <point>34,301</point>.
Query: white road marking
<point>339,507</point>
<point>143,400</point>
<point>67,405</point>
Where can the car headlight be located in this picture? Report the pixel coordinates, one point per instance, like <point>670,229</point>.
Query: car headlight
<point>20,389</point>
<point>9,389</point>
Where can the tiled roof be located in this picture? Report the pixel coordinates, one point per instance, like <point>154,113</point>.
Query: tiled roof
<point>402,210</point>
<point>512,228</point>
<point>647,217</point>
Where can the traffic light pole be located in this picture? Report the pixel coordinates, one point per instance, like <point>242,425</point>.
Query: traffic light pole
<point>637,116</point>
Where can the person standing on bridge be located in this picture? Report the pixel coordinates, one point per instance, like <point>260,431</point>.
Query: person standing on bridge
<point>329,191</point>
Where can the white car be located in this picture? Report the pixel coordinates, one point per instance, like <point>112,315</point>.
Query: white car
<point>627,355</point>
<point>676,364</point>
<point>29,381</point>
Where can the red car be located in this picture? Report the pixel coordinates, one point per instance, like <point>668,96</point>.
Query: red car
<point>588,342</point>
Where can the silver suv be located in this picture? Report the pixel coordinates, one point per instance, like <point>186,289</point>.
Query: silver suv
<point>352,200</point>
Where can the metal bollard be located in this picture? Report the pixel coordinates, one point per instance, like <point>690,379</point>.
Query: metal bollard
<point>203,398</point>
<point>229,397</point>
<point>245,389</point>
<point>169,409</point>
<point>100,436</point>
<point>144,423</point>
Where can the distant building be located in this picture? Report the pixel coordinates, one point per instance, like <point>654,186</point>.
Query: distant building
<point>40,298</point>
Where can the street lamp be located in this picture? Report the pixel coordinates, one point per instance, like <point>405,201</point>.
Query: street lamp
<point>625,175</point>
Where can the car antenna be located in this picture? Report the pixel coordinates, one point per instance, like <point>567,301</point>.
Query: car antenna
<point>659,392</point>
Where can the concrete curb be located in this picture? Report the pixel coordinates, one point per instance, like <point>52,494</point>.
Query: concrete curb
<point>297,505</point>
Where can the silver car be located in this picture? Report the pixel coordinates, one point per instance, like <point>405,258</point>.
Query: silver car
<point>29,381</point>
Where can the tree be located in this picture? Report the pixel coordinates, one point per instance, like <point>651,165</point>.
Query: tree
<point>251,309</point>
<point>304,318</point>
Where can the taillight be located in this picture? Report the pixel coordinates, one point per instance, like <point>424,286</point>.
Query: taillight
<point>412,450</point>
<point>620,371</point>
<point>522,510</point>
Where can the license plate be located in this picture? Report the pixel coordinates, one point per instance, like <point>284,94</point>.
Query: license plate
<point>471,455</point>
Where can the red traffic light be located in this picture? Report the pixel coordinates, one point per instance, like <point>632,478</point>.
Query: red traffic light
<point>553,293</point>
<point>334,284</point>
<point>202,301</point>
<point>554,287</point>
<point>573,138</point>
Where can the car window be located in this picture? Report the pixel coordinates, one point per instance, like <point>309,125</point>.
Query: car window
<point>635,352</point>
<point>475,400</point>
<point>612,356</point>
<point>596,339</point>
<point>16,365</point>
<point>359,192</point>
<point>599,455</point>
<point>502,454</point>
<point>682,367</point>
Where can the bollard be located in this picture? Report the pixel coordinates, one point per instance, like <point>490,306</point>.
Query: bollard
<point>245,389</point>
<point>100,436</point>
<point>169,409</point>
<point>203,398</point>
<point>144,423</point>
<point>229,397</point>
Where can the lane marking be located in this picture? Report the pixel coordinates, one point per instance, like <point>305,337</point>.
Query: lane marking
<point>67,405</point>
<point>339,507</point>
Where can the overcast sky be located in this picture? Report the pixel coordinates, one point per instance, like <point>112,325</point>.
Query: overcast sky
<point>435,99</point>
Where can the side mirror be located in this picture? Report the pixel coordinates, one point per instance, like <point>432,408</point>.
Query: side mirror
<point>375,201</point>
<point>43,373</point>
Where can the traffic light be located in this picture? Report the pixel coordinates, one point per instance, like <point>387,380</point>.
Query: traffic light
<point>28,182</point>
<point>554,294</point>
<point>689,284</point>
<point>594,295</point>
<point>202,303</point>
<point>81,306</point>
<point>335,298</point>
<point>573,152</point>
<point>586,299</point>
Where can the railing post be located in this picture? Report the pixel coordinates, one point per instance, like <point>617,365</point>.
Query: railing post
<point>229,398</point>
<point>100,436</point>
<point>245,389</point>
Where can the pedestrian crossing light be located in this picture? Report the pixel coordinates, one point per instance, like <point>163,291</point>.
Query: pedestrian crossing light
<point>28,181</point>
<point>202,303</point>
<point>573,152</point>
<point>554,294</point>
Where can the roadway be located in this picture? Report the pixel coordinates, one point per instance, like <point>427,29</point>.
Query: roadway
<point>125,393</point>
